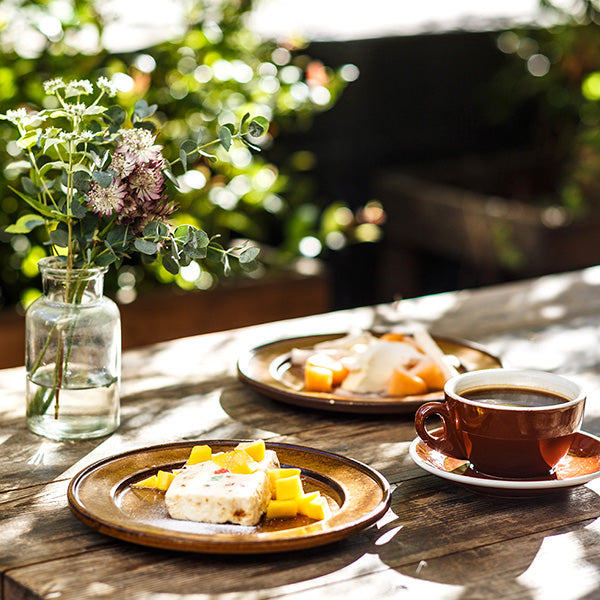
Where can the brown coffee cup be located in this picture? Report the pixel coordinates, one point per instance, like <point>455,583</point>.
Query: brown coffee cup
<point>507,423</point>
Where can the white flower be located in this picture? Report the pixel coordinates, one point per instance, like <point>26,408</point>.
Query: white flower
<point>79,87</point>
<point>75,110</point>
<point>21,118</point>
<point>138,145</point>
<point>52,85</point>
<point>108,87</point>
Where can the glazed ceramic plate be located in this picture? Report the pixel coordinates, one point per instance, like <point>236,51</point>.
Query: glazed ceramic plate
<point>580,465</point>
<point>102,497</point>
<point>268,370</point>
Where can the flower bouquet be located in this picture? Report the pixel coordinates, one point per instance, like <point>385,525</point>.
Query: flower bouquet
<point>99,184</point>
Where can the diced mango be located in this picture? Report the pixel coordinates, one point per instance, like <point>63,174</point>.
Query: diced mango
<point>275,474</point>
<point>237,461</point>
<point>282,508</point>
<point>304,500</point>
<point>163,480</point>
<point>149,482</point>
<point>338,370</point>
<point>255,449</point>
<point>318,509</point>
<point>392,336</point>
<point>317,379</point>
<point>199,454</point>
<point>403,383</point>
<point>431,373</point>
<point>288,488</point>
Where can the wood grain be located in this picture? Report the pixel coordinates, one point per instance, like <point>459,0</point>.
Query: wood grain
<point>438,540</point>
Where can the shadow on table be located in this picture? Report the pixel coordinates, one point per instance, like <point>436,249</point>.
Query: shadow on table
<point>492,547</point>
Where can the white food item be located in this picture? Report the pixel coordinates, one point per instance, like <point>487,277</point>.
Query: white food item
<point>204,492</point>
<point>349,344</point>
<point>375,365</point>
<point>207,493</point>
<point>270,461</point>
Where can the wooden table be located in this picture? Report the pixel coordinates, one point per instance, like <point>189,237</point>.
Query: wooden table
<point>438,540</point>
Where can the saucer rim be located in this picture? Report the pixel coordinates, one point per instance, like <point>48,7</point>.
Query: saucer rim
<point>509,484</point>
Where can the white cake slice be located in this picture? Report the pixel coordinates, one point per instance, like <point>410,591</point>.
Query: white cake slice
<point>206,492</point>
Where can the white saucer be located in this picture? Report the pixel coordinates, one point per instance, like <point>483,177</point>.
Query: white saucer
<point>580,465</point>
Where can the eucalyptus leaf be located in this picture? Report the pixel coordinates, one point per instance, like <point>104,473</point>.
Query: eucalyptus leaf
<point>30,187</point>
<point>215,253</point>
<point>258,126</point>
<point>225,137</point>
<point>249,266</point>
<point>78,210</point>
<point>105,259</point>
<point>170,265</point>
<point>103,178</point>
<point>115,114</point>
<point>145,246</point>
<point>81,181</point>
<point>183,233</point>
<point>249,255</point>
<point>59,238</point>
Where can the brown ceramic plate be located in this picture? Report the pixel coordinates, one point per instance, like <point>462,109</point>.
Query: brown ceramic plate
<point>102,497</point>
<point>268,370</point>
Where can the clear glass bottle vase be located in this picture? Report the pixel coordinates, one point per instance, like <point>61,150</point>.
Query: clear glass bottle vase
<point>72,355</point>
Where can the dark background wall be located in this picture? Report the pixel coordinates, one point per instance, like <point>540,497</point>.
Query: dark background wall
<point>418,99</point>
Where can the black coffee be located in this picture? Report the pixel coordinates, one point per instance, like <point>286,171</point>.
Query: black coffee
<point>519,397</point>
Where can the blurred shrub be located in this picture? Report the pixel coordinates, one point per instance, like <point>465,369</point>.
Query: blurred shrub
<point>213,71</point>
<point>556,74</point>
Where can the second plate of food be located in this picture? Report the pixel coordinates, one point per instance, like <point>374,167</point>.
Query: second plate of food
<point>270,370</point>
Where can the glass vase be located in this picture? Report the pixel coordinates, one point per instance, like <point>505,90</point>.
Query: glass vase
<point>72,355</point>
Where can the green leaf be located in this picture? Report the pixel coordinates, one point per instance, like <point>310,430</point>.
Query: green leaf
<point>115,114</point>
<point>103,178</point>
<point>104,259</point>
<point>59,237</point>
<point>118,235</point>
<point>249,266</point>
<point>53,164</point>
<point>183,157</point>
<point>142,111</point>
<point>29,139</point>
<point>95,109</point>
<point>25,224</point>
<point>215,253</point>
<point>190,149</point>
<point>225,137</point>
<point>81,181</point>
<point>258,126</point>
<point>30,187</point>
<point>196,246</point>
<point>249,255</point>
<point>78,210</point>
<point>39,206</point>
<point>183,233</point>
<point>155,229</point>
<point>170,264</point>
<point>145,246</point>
<point>50,143</point>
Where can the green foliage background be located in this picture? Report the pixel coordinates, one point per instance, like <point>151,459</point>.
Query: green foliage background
<point>215,71</point>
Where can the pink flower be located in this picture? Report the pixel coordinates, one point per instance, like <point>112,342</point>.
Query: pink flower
<point>138,146</point>
<point>146,183</point>
<point>105,201</point>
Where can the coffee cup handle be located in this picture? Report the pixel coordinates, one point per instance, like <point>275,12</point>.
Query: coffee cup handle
<point>446,440</point>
